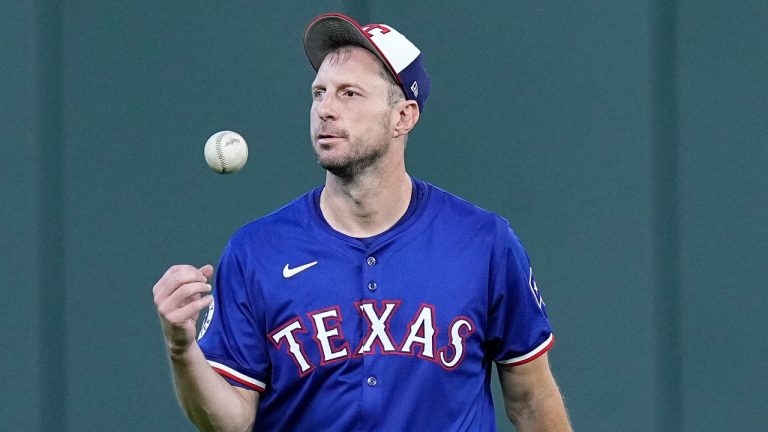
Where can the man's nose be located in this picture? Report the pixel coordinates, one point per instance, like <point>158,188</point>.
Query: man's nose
<point>326,107</point>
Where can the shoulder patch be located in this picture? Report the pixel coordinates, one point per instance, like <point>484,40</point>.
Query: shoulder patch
<point>207,320</point>
<point>535,289</point>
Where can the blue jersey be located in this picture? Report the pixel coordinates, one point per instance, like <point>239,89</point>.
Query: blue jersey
<point>397,333</point>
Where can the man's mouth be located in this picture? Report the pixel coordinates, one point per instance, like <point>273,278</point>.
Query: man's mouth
<point>328,137</point>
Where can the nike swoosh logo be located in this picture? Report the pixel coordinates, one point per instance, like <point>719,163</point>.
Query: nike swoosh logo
<point>289,272</point>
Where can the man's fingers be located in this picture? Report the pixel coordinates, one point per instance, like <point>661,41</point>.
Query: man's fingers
<point>207,270</point>
<point>175,277</point>
<point>180,268</point>
<point>182,296</point>
<point>190,310</point>
<point>179,296</point>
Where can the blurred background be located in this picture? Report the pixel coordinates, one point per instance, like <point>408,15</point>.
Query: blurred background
<point>626,141</point>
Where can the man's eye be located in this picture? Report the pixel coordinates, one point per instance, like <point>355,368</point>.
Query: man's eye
<point>349,93</point>
<point>317,93</point>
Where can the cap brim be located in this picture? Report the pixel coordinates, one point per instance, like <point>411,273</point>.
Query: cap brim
<point>330,31</point>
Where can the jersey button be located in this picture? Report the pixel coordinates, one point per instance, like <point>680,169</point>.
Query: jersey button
<point>371,261</point>
<point>372,286</point>
<point>372,381</point>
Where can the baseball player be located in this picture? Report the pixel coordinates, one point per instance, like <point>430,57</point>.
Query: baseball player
<point>376,302</point>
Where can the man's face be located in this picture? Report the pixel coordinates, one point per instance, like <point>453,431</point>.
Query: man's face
<point>351,121</point>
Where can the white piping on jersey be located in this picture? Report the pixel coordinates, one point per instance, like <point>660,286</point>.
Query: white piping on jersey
<point>226,370</point>
<point>531,355</point>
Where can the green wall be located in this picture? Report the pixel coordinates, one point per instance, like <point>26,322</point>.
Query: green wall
<point>626,141</point>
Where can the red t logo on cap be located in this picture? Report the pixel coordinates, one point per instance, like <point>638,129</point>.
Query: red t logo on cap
<point>368,27</point>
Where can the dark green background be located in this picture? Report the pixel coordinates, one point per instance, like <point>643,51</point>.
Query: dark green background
<point>626,141</point>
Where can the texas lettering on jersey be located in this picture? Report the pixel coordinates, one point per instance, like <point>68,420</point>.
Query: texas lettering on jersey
<point>420,336</point>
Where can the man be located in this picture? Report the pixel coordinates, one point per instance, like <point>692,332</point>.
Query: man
<point>377,302</point>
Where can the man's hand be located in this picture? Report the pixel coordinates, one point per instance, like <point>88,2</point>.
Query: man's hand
<point>179,298</point>
<point>208,400</point>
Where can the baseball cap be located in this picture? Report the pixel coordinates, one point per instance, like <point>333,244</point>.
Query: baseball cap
<point>401,57</point>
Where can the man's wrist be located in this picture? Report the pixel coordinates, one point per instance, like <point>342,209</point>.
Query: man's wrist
<point>180,353</point>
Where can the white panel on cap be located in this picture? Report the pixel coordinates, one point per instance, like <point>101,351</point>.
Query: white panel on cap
<point>398,50</point>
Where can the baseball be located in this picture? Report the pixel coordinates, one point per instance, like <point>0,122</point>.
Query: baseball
<point>226,152</point>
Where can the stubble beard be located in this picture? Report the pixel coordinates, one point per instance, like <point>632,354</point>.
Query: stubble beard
<point>364,153</point>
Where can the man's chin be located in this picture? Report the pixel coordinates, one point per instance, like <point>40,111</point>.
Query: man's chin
<point>343,170</point>
<point>347,167</point>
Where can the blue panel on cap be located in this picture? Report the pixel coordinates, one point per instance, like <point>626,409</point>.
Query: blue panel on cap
<point>416,82</point>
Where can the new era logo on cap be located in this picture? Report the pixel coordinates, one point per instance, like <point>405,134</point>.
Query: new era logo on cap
<point>401,57</point>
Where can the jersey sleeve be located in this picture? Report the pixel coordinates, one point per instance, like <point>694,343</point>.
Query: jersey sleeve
<point>232,335</point>
<point>519,330</point>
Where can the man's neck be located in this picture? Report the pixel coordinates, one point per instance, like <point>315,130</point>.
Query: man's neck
<point>366,205</point>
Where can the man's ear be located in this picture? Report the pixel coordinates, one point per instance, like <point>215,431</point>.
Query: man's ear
<point>408,116</point>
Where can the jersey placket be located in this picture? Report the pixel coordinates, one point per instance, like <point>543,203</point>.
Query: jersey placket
<point>371,381</point>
